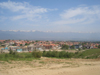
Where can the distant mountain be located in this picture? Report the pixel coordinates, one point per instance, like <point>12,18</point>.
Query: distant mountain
<point>38,35</point>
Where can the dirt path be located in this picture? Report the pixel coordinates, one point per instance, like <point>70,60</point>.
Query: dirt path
<point>51,67</point>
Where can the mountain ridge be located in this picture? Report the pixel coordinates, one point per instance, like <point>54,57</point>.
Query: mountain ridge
<point>40,35</point>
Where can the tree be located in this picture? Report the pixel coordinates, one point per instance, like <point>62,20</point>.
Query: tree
<point>20,44</point>
<point>62,54</point>
<point>26,44</point>
<point>84,48</point>
<point>47,41</point>
<point>99,46</point>
<point>72,47</point>
<point>36,41</point>
<point>11,52</point>
<point>36,54</point>
<point>44,53</point>
<point>65,47</point>
<point>79,49</point>
<point>14,44</point>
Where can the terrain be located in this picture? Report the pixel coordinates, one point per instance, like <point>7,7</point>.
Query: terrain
<point>51,66</point>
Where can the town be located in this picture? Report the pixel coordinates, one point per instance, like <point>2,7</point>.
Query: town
<point>31,45</point>
<point>49,37</point>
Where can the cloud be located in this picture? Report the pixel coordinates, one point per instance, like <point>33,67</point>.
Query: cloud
<point>13,6</point>
<point>13,30</point>
<point>50,31</point>
<point>82,15</point>
<point>20,30</point>
<point>25,10</point>
<point>69,21</point>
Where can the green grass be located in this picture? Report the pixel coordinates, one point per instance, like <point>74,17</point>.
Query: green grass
<point>17,57</point>
<point>91,53</point>
<point>42,62</point>
<point>88,54</point>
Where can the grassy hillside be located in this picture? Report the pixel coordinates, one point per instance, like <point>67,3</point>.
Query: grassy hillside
<point>88,54</point>
<point>91,53</point>
<point>20,56</point>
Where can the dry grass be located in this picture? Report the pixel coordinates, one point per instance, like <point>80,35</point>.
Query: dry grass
<point>51,66</point>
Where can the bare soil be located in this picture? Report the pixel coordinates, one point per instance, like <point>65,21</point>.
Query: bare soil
<point>51,66</point>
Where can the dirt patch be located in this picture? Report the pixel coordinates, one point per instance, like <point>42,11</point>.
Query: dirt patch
<point>51,66</point>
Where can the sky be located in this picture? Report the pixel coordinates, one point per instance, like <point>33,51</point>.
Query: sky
<point>50,15</point>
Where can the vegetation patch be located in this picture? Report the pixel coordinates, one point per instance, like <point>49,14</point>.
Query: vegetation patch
<point>20,56</point>
<point>57,54</point>
<point>87,54</point>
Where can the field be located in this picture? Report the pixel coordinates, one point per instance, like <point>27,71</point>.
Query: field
<point>89,64</point>
<point>85,54</point>
<point>51,66</point>
<point>89,54</point>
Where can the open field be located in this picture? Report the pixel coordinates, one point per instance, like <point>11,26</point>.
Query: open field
<point>51,66</point>
<point>26,64</point>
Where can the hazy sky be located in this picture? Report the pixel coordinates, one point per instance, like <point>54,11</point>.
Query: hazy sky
<point>50,15</point>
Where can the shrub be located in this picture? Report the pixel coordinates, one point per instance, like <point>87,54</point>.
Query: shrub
<point>79,49</point>
<point>57,54</point>
<point>72,47</point>
<point>62,54</point>
<point>11,52</point>
<point>65,47</point>
<point>76,52</point>
<point>36,54</point>
<point>15,53</point>
<point>44,53</point>
<point>6,55</point>
<point>39,54</point>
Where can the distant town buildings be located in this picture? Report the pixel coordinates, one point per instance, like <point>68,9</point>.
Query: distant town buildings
<point>27,45</point>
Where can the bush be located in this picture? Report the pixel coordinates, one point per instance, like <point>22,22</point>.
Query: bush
<point>19,56</point>
<point>15,53</point>
<point>65,47</point>
<point>77,52</point>
<point>44,53</point>
<point>79,49</point>
<point>57,54</point>
<point>39,54</point>
<point>6,55</point>
<point>36,54</point>
<point>11,52</point>
<point>62,54</point>
<point>99,46</point>
<point>72,47</point>
<point>48,53</point>
<point>28,56</point>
